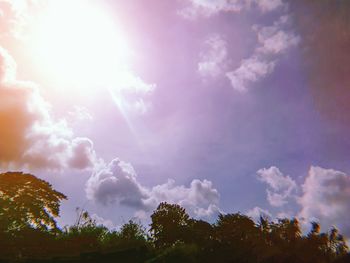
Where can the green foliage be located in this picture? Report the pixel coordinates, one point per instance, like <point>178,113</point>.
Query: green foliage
<point>26,201</point>
<point>132,231</point>
<point>169,224</point>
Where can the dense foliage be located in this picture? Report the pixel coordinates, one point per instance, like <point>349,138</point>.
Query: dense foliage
<point>28,233</point>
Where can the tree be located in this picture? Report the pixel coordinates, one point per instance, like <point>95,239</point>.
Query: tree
<point>132,231</point>
<point>27,202</point>
<point>337,244</point>
<point>237,237</point>
<point>169,223</point>
<point>235,227</point>
<point>84,236</point>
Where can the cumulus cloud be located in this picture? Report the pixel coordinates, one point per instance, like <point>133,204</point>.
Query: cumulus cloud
<point>274,39</point>
<point>258,212</point>
<point>117,182</point>
<point>269,5</point>
<point>13,16</point>
<point>272,42</point>
<point>7,67</point>
<point>326,195</point>
<point>250,70</point>
<point>102,221</point>
<point>213,58</point>
<point>80,113</point>
<point>200,197</point>
<point>29,135</point>
<point>132,94</point>
<point>209,7</point>
<point>281,187</point>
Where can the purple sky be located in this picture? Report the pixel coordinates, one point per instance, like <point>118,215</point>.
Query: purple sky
<point>221,106</point>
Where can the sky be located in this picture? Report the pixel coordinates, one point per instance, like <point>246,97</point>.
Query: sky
<point>220,106</point>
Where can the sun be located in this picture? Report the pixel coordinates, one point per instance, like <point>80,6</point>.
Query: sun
<point>78,42</point>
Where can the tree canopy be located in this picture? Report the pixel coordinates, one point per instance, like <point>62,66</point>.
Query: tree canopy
<point>29,233</point>
<point>27,201</point>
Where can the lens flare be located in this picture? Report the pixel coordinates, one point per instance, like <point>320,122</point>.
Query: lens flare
<point>78,42</point>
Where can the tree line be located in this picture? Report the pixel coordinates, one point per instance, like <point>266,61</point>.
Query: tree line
<point>29,207</point>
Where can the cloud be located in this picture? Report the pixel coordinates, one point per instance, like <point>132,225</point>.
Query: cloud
<point>269,5</point>
<point>117,182</point>
<point>213,58</point>
<point>209,7</point>
<point>80,114</point>
<point>8,67</point>
<point>131,94</point>
<point>281,187</point>
<point>250,70</point>
<point>273,41</point>
<point>200,197</point>
<point>105,222</point>
<point>82,153</point>
<point>326,195</point>
<point>13,16</point>
<point>258,212</point>
<point>29,135</point>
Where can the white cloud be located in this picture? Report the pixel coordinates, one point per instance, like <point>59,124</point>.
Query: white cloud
<point>80,113</point>
<point>326,195</point>
<point>131,94</point>
<point>14,15</point>
<point>105,222</point>
<point>211,7</point>
<point>213,58</point>
<point>250,70</point>
<point>117,183</point>
<point>282,187</point>
<point>258,212</point>
<point>269,5</point>
<point>273,41</point>
<point>29,135</point>
<point>8,67</point>
<point>200,196</point>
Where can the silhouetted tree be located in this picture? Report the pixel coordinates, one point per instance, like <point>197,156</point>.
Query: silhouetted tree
<point>169,224</point>
<point>237,237</point>
<point>28,207</point>
<point>29,233</point>
<point>26,201</point>
<point>133,231</point>
<point>337,244</point>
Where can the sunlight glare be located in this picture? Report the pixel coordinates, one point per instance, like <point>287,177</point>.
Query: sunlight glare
<point>78,42</point>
